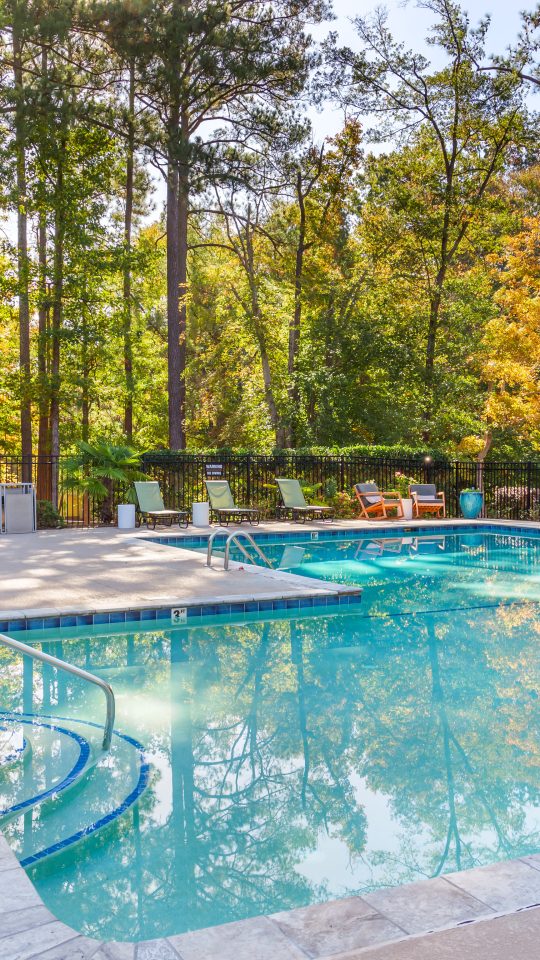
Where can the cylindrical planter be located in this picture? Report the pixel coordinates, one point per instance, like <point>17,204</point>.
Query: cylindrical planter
<point>407,508</point>
<point>471,503</point>
<point>200,514</point>
<point>126,516</point>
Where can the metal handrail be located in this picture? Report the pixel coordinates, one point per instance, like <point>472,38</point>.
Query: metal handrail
<point>27,651</point>
<point>211,539</point>
<point>233,537</point>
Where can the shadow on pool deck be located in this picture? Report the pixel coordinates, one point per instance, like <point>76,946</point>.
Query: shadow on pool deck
<point>76,567</point>
<point>73,568</point>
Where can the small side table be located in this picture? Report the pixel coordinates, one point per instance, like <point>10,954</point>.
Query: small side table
<point>200,514</point>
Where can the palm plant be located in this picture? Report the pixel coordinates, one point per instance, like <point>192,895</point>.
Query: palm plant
<point>95,470</point>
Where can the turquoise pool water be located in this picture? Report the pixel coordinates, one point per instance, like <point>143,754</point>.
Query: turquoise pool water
<point>299,758</point>
<point>409,573</point>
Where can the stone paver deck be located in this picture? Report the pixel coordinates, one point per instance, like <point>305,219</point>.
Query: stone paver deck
<point>102,568</point>
<point>352,929</point>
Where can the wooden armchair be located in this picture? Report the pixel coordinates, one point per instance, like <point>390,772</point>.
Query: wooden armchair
<point>426,499</point>
<point>376,503</point>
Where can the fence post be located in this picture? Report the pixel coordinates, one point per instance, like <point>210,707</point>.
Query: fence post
<point>248,479</point>
<point>529,483</point>
<point>342,473</point>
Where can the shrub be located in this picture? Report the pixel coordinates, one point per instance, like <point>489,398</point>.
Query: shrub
<point>346,507</point>
<point>395,451</point>
<point>48,517</point>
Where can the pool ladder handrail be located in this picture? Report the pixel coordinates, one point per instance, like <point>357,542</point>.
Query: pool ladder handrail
<point>233,538</point>
<point>27,651</point>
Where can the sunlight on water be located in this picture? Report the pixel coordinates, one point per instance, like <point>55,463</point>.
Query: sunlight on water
<point>303,758</point>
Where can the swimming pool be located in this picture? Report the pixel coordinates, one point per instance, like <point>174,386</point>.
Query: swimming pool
<point>404,572</point>
<point>295,757</point>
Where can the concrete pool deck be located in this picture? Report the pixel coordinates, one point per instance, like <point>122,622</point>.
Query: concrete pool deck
<point>488,913</point>
<point>78,569</point>
<point>99,568</point>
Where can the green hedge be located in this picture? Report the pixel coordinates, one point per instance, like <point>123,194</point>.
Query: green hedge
<point>396,451</point>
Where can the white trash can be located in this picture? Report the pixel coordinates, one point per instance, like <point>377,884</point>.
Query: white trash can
<point>126,516</point>
<point>200,513</point>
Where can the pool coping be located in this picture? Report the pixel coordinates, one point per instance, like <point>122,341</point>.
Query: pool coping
<point>333,930</point>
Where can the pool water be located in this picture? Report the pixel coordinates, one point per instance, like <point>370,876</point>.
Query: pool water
<point>409,573</point>
<point>298,758</point>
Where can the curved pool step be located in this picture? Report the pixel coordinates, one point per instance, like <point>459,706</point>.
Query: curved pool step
<point>104,792</point>
<point>14,746</point>
<point>47,759</point>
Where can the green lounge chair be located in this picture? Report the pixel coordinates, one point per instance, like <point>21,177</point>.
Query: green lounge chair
<point>294,503</point>
<point>151,506</point>
<point>223,507</point>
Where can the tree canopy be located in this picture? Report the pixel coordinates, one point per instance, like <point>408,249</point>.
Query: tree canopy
<point>185,262</point>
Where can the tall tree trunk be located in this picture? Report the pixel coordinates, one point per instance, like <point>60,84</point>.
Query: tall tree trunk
<point>57,318</point>
<point>22,257</point>
<point>435,309</point>
<point>174,322</point>
<point>294,326</point>
<point>258,324</point>
<point>44,439</point>
<point>128,218</point>
<point>85,371</point>
<point>183,216</point>
<point>429,369</point>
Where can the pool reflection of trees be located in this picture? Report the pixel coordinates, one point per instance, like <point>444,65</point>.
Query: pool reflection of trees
<point>272,727</point>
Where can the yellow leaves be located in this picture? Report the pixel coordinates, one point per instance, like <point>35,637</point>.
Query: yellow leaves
<point>470,446</point>
<point>511,359</point>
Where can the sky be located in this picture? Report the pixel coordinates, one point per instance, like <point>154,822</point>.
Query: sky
<point>409,25</point>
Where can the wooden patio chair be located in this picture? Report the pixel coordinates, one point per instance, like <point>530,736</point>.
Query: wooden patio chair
<point>426,499</point>
<point>375,503</point>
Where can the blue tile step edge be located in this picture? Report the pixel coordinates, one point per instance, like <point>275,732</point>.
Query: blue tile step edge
<point>192,611</point>
<point>81,764</point>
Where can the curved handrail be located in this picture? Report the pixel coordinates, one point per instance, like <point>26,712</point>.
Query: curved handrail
<point>27,651</point>
<point>234,537</point>
<point>211,539</point>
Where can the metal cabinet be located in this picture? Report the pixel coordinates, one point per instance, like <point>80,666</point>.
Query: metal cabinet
<point>17,508</point>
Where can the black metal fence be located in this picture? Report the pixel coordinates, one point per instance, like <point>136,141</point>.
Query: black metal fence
<point>511,490</point>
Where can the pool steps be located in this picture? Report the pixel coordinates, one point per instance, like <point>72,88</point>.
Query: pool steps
<point>53,761</point>
<point>92,789</point>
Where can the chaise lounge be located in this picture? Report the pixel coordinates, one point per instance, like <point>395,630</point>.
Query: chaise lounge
<point>151,506</point>
<point>223,507</point>
<point>294,504</point>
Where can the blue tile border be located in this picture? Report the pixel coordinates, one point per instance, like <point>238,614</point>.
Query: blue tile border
<point>213,609</point>
<point>195,541</point>
<point>193,611</point>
